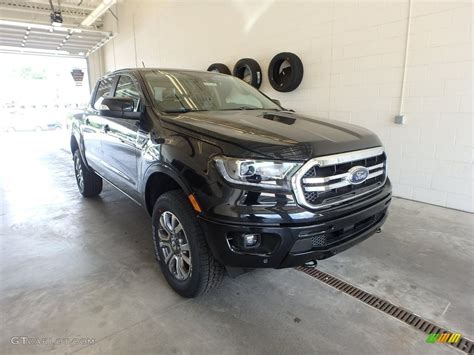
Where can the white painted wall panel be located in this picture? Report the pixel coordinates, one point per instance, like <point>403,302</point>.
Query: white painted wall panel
<point>353,53</point>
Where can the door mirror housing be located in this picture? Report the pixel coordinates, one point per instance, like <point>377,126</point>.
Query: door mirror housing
<point>119,107</point>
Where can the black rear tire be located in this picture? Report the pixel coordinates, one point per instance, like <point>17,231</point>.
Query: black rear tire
<point>205,273</point>
<point>88,182</point>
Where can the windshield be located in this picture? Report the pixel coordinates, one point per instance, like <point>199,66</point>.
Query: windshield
<point>183,91</point>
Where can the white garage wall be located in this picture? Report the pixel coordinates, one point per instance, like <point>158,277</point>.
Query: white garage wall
<point>353,53</point>
<point>95,67</point>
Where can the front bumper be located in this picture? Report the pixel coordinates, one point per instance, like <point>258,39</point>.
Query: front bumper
<point>297,243</point>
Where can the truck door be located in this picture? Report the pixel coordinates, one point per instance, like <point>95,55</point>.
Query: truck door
<point>94,125</point>
<point>119,145</point>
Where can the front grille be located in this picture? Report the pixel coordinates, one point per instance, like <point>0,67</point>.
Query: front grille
<point>324,181</point>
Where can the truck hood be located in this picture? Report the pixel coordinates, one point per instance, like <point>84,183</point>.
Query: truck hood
<point>272,134</point>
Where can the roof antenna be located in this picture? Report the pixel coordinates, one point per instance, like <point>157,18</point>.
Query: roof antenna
<point>143,63</point>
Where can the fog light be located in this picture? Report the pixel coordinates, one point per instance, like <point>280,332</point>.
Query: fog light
<point>250,240</point>
<point>251,243</point>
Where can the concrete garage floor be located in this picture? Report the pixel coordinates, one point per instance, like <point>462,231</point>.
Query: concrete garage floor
<point>78,268</point>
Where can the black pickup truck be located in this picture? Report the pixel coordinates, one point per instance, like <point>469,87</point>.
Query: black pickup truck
<point>231,179</point>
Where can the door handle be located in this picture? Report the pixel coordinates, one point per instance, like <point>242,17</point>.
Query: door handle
<point>106,128</point>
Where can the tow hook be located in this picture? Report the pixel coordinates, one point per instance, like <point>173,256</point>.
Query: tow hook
<point>311,263</point>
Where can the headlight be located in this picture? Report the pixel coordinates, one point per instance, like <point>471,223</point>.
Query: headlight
<point>270,175</point>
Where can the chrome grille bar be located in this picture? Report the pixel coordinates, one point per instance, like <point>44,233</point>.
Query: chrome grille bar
<point>323,184</point>
<point>339,184</point>
<point>322,180</point>
<point>335,159</point>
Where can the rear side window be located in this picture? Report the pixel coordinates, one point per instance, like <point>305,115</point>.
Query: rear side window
<point>127,88</point>
<point>103,91</point>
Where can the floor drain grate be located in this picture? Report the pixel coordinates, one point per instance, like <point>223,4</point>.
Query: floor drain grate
<point>405,316</point>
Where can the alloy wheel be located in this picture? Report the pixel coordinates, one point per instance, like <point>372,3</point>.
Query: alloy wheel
<point>79,173</point>
<point>175,246</point>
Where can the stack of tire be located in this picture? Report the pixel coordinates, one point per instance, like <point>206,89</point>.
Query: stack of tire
<point>285,71</point>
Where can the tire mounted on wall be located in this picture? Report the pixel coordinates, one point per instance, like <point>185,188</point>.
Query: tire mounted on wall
<point>285,78</point>
<point>219,68</point>
<point>249,71</point>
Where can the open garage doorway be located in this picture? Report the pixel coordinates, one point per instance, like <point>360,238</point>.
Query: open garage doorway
<point>39,93</point>
<point>38,96</point>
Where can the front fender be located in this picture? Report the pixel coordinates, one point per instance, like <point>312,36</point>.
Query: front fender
<point>160,167</point>
<point>77,136</point>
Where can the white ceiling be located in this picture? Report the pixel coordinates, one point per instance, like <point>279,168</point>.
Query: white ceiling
<point>25,27</point>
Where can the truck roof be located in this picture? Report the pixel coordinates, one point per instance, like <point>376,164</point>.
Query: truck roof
<point>118,71</point>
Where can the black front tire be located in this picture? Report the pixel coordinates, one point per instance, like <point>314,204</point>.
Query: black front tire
<point>88,182</point>
<point>206,273</point>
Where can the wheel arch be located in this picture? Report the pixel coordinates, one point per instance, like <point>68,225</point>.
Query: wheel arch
<point>74,144</point>
<point>161,179</point>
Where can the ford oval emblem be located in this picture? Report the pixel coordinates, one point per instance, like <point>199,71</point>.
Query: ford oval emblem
<point>357,175</point>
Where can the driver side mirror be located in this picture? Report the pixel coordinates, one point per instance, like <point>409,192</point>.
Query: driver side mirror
<point>118,107</point>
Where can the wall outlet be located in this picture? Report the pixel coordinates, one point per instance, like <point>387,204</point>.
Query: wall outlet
<point>400,119</point>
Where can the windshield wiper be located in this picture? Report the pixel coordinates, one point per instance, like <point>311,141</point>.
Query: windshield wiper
<point>184,110</point>
<point>243,108</point>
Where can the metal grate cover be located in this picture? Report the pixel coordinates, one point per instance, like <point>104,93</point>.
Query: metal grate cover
<point>401,314</point>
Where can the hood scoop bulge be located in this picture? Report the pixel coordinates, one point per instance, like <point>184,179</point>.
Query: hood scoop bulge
<point>279,118</point>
